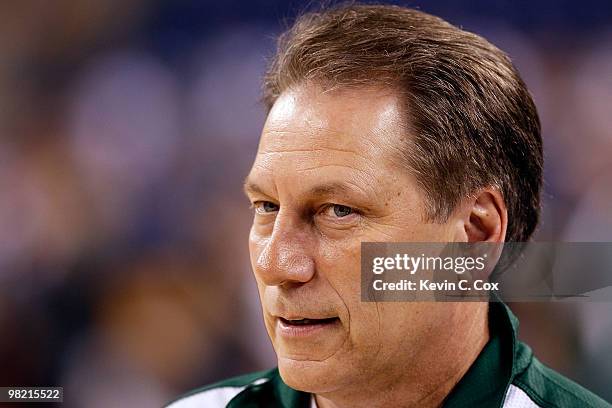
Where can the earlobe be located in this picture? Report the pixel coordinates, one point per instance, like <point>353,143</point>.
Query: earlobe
<point>486,219</point>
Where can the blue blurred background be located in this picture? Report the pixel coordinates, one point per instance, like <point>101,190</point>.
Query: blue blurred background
<point>126,128</point>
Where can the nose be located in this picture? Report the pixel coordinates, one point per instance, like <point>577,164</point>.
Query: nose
<point>285,256</point>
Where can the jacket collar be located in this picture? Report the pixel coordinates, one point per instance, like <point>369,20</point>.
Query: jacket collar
<point>487,380</point>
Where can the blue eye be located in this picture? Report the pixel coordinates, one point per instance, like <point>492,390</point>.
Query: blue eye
<point>263,207</point>
<point>342,210</point>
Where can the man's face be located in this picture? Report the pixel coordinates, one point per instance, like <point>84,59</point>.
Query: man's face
<point>326,177</point>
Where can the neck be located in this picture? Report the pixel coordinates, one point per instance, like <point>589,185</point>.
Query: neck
<point>429,378</point>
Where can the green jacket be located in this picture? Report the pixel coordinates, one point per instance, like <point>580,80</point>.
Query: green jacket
<point>505,374</point>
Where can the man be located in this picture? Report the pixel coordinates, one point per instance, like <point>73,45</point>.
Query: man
<point>388,124</point>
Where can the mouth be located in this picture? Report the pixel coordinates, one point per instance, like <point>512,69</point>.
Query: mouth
<point>305,326</point>
<point>305,322</point>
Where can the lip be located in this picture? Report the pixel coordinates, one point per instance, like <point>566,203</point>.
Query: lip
<point>286,329</point>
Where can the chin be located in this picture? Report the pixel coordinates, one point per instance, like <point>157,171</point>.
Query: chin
<point>310,376</point>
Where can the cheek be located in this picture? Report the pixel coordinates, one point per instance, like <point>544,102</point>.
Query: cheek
<point>256,244</point>
<point>255,249</point>
<point>254,252</point>
<point>340,265</point>
<point>407,328</point>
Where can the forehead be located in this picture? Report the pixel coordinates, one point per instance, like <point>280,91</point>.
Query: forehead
<point>355,126</point>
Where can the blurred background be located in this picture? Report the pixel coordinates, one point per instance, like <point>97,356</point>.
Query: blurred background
<point>126,128</point>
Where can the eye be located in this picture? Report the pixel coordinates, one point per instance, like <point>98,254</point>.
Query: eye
<point>341,211</point>
<point>264,207</point>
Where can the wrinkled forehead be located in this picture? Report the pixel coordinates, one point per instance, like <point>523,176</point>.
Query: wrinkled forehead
<point>348,145</point>
<point>366,122</point>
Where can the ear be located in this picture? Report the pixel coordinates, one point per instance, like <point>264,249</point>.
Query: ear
<point>483,217</point>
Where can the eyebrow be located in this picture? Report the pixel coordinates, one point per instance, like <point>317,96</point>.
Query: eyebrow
<point>251,187</point>
<point>330,189</point>
<point>325,189</point>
